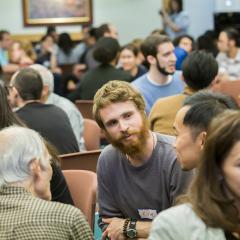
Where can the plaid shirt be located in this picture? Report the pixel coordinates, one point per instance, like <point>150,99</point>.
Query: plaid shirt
<point>26,217</point>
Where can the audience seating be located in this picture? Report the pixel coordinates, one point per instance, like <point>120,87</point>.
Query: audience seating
<point>81,160</point>
<point>231,88</point>
<point>66,70</point>
<point>83,186</point>
<point>91,134</point>
<point>85,107</point>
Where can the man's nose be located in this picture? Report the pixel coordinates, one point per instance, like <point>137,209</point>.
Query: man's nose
<point>123,126</point>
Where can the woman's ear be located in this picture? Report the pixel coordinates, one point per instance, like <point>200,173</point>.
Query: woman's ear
<point>35,169</point>
<point>202,139</point>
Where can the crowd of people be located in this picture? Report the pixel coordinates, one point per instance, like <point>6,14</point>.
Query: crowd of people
<point>171,169</point>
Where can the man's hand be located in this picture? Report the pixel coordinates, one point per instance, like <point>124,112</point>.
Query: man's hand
<point>114,229</point>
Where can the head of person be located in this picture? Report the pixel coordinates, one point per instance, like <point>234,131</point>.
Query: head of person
<point>175,6</point>
<point>191,124</point>
<point>158,50</point>
<point>128,57</point>
<point>8,118</point>
<point>25,85</point>
<point>5,39</point>
<point>215,192</point>
<point>228,39</point>
<point>119,109</point>
<point>25,161</point>
<point>107,30</point>
<point>199,70</point>
<point>106,50</point>
<point>47,43</point>
<point>65,43</point>
<point>51,30</point>
<point>185,42</point>
<point>47,79</point>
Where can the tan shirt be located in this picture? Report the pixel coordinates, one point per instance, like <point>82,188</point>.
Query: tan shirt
<point>26,217</point>
<point>163,112</point>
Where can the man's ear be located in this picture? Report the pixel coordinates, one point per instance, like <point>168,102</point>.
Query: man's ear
<point>45,93</point>
<point>151,59</point>
<point>35,169</point>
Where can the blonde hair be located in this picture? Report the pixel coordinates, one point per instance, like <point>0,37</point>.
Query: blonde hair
<point>114,92</point>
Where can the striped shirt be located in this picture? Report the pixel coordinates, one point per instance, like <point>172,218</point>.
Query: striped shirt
<point>24,216</point>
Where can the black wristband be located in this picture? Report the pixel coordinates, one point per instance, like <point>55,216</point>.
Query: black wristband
<point>125,225</point>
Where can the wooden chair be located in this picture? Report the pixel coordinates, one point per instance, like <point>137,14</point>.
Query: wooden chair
<point>231,88</point>
<point>83,186</point>
<point>81,160</point>
<point>91,134</point>
<point>85,107</point>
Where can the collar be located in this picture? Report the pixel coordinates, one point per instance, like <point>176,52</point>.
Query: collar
<point>188,91</point>
<point>13,190</point>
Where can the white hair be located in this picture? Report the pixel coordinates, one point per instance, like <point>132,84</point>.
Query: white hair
<point>46,75</point>
<point>19,146</point>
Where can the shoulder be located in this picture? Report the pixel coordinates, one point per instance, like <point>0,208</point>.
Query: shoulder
<point>140,81</point>
<point>181,222</point>
<point>59,213</point>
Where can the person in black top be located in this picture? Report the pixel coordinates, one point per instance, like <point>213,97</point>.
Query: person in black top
<point>106,52</point>
<point>58,185</point>
<point>50,121</point>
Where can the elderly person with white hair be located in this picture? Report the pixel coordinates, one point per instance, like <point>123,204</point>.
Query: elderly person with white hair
<point>25,173</point>
<point>67,106</point>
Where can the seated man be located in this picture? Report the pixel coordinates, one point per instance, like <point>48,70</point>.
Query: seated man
<point>161,80</point>
<point>228,57</point>
<point>191,124</point>
<point>199,71</point>
<point>49,97</point>
<point>50,121</point>
<point>138,160</point>
<point>26,211</point>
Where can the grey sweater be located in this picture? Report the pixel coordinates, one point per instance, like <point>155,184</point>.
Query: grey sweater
<point>139,192</point>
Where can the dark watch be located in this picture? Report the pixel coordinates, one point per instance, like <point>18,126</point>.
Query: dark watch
<point>131,230</point>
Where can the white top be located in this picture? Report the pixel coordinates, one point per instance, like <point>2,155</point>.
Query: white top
<point>181,223</point>
<point>230,66</point>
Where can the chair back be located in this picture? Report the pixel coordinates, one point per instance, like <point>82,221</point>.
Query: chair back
<point>231,88</point>
<point>91,134</point>
<point>81,160</point>
<point>83,186</point>
<point>85,107</point>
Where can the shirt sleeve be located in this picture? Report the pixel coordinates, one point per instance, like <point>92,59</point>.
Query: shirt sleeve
<point>182,20</point>
<point>165,227</point>
<point>179,181</point>
<point>107,204</point>
<point>81,229</point>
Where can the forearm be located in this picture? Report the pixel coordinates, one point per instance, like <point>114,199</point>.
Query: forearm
<point>143,229</point>
<point>172,25</point>
<point>10,68</point>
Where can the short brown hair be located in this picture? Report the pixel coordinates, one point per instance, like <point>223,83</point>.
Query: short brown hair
<point>207,193</point>
<point>150,45</point>
<point>114,92</point>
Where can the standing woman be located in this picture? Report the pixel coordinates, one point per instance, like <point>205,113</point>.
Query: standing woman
<point>211,209</point>
<point>176,22</point>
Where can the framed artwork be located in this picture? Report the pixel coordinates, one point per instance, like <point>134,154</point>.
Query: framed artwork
<point>57,12</point>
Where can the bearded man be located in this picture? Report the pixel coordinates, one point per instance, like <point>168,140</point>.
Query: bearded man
<point>162,79</point>
<point>138,174</point>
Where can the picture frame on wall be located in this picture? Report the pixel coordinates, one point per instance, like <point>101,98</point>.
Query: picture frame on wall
<point>56,12</point>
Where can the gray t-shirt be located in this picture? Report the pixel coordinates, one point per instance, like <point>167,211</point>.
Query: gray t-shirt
<point>139,192</point>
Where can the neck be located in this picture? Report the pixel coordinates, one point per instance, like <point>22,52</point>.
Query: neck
<point>23,103</point>
<point>143,156</point>
<point>157,76</point>
<point>233,52</point>
<point>134,71</point>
